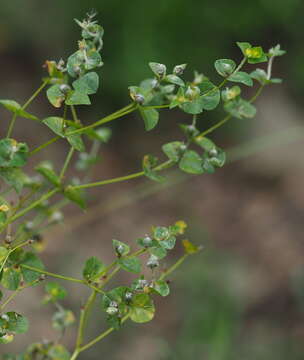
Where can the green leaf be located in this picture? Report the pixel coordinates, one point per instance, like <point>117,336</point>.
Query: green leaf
<point>205,143</point>
<point>17,323</point>
<point>173,150</point>
<point>93,269</point>
<point>33,260</point>
<point>158,251</point>
<point>93,60</point>
<point>189,247</point>
<point>260,75</point>
<point>103,134</point>
<point>191,162</point>
<point>276,51</point>
<point>161,287</point>
<point>253,54</point>
<point>87,84</point>
<point>244,46</point>
<point>174,79</point>
<point>77,98</point>
<point>210,95</point>
<point>75,140</point>
<point>231,93</point>
<point>3,253</point>
<point>46,169</point>
<point>240,109</point>
<point>225,67</point>
<point>256,55</point>
<point>193,107</point>
<point>75,195</point>
<point>75,63</point>
<point>55,96</point>
<point>56,124</point>
<point>150,117</point>
<point>12,153</point>
<point>16,108</point>
<point>120,248</point>
<point>58,352</point>
<point>169,243</point>
<point>11,278</point>
<point>160,233</point>
<point>149,163</point>
<point>6,338</point>
<point>63,319</point>
<point>54,292</point>
<point>142,308</point>
<point>130,264</point>
<point>241,77</point>
<point>158,69</point>
<point>14,177</point>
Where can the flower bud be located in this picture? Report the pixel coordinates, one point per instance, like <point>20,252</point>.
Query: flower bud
<point>139,99</point>
<point>179,69</point>
<point>147,241</point>
<point>111,310</point>
<point>64,88</point>
<point>213,152</point>
<point>128,296</point>
<point>192,92</point>
<point>153,262</point>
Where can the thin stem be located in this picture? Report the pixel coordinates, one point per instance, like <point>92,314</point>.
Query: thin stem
<point>32,206</point>
<point>74,114</point>
<point>160,167</point>
<point>58,276</point>
<point>44,145</point>
<point>173,267</point>
<point>104,120</point>
<point>228,117</point>
<point>100,337</point>
<point>84,317</point>
<point>66,163</point>
<point>15,293</point>
<point>36,93</point>
<point>109,181</point>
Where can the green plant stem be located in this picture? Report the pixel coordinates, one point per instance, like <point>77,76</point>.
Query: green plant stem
<point>160,167</point>
<point>58,276</point>
<point>15,293</point>
<point>62,277</point>
<point>83,318</point>
<point>74,114</point>
<point>99,338</point>
<point>31,206</point>
<point>228,117</point>
<point>128,109</point>
<point>36,93</point>
<point>109,181</point>
<point>66,163</point>
<point>173,267</point>
<point>10,251</point>
<point>110,330</point>
<point>44,145</point>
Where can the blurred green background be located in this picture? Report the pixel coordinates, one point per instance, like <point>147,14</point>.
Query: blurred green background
<point>243,297</point>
